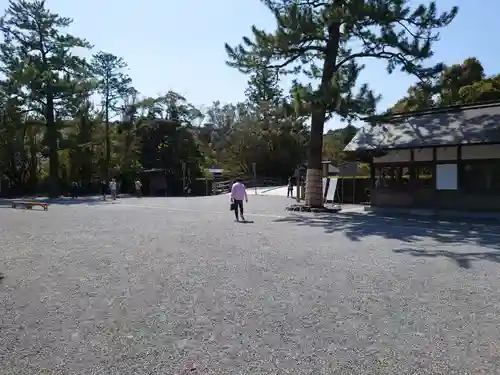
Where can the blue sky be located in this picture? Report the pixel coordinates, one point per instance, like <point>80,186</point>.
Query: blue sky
<point>179,45</point>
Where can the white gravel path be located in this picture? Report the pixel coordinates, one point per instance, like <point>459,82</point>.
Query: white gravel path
<point>170,285</point>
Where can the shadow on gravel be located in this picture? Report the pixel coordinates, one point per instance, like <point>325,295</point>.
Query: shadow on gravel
<point>463,260</point>
<point>411,231</point>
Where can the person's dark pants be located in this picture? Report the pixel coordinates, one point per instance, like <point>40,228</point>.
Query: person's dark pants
<point>238,205</point>
<point>290,192</point>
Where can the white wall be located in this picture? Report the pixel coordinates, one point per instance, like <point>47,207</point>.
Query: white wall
<point>447,153</point>
<point>423,154</point>
<point>394,156</point>
<point>481,152</point>
<point>450,153</point>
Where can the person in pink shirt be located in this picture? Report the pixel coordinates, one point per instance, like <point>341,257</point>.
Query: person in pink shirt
<point>238,193</point>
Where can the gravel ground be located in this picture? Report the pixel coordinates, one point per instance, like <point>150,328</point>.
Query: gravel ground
<point>174,285</point>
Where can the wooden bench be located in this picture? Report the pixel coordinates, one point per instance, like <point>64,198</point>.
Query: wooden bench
<point>30,205</point>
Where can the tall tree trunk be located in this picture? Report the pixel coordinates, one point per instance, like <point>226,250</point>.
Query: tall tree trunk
<point>52,137</point>
<point>314,180</point>
<point>314,177</point>
<point>33,168</point>
<point>108,142</point>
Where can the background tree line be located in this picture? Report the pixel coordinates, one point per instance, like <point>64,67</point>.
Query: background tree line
<point>463,83</point>
<point>66,118</point>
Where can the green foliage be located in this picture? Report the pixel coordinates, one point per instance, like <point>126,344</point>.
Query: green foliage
<point>464,83</point>
<point>38,57</point>
<point>82,120</point>
<point>40,70</point>
<point>112,84</point>
<point>389,30</point>
<point>276,142</point>
<point>335,141</point>
<point>263,87</point>
<point>263,130</point>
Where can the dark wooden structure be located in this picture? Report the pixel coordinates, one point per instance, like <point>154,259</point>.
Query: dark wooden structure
<point>155,182</point>
<point>443,159</point>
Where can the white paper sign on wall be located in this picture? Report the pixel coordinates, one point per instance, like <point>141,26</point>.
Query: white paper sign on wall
<point>446,177</point>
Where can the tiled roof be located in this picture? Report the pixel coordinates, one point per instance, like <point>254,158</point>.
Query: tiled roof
<point>459,125</point>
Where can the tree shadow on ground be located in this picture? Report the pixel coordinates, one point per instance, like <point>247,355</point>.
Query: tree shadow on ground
<point>411,231</point>
<point>463,260</point>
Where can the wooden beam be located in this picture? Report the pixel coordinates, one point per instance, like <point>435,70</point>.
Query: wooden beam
<point>459,167</point>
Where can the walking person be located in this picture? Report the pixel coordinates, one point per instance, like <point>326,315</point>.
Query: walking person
<point>238,194</point>
<point>112,188</point>
<point>289,193</point>
<point>138,188</point>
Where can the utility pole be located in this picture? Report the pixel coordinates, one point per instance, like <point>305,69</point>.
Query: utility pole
<point>254,167</point>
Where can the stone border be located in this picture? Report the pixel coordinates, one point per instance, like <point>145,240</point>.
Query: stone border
<point>306,208</point>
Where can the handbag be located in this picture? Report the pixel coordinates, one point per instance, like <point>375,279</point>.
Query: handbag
<point>232,207</point>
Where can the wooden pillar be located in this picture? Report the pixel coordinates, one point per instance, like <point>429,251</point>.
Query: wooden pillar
<point>412,170</point>
<point>372,174</point>
<point>435,199</point>
<point>434,162</point>
<point>460,169</point>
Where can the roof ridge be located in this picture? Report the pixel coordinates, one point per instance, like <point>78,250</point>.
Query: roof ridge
<point>435,110</point>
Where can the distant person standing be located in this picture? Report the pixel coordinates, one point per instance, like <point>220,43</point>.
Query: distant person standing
<point>104,189</point>
<point>289,193</point>
<point>74,189</point>
<point>238,194</point>
<point>138,188</point>
<point>112,188</point>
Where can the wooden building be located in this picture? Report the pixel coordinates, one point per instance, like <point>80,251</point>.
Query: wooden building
<point>443,159</point>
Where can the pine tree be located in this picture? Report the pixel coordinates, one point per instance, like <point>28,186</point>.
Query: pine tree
<point>263,87</point>
<point>325,40</point>
<point>36,60</point>
<point>112,84</point>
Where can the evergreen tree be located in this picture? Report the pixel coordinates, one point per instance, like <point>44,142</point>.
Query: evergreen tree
<point>263,87</point>
<point>112,84</point>
<point>37,60</point>
<point>325,40</point>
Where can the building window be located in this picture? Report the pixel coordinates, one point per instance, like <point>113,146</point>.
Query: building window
<point>394,177</point>
<point>480,177</point>
<point>424,176</point>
